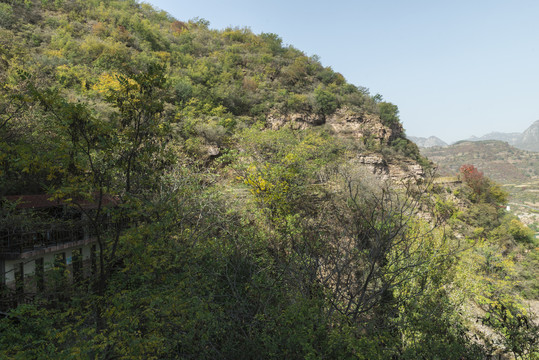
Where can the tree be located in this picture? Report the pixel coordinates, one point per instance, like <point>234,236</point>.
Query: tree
<point>112,161</point>
<point>473,178</point>
<point>375,245</point>
<point>325,102</point>
<point>389,113</point>
<point>483,189</point>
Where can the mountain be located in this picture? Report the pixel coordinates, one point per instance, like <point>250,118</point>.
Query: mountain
<point>511,138</point>
<point>243,201</point>
<point>431,141</point>
<point>527,140</point>
<point>530,138</point>
<point>215,84</point>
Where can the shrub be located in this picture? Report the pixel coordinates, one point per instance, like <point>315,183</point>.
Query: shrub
<point>6,15</point>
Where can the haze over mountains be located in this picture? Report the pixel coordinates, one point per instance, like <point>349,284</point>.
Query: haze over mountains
<point>431,141</point>
<point>527,140</point>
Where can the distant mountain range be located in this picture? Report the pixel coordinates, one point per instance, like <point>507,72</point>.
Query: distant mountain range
<point>527,140</point>
<point>432,141</point>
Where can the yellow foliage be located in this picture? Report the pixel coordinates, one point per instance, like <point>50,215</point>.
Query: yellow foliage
<point>110,82</point>
<point>162,55</point>
<point>54,53</point>
<point>270,185</point>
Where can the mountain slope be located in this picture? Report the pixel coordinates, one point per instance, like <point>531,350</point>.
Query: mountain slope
<point>517,170</point>
<point>527,140</point>
<point>245,201</point>
<point>530,138</point>
<point>498,160</point>
<point>431,141</point>
<point>218,82</point>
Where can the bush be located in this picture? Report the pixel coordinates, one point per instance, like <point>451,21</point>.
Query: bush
<point>520,232</point>
<point>6,15</point>
<point>389,113</point>
<point>325,101</point>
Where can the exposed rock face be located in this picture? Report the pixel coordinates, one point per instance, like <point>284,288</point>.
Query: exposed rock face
<point>406,170</point>
<point>344,122</point>
<point>296,121</point>
<point>358,125</point>
<point>376,164</point>
<point>401,171</point>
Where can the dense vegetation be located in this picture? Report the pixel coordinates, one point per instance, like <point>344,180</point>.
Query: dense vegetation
<point>255,230</point>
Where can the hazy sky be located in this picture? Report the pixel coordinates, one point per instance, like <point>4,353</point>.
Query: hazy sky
<point>454,68</point>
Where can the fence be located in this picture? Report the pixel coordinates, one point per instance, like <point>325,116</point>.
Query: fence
<point>16,240</point>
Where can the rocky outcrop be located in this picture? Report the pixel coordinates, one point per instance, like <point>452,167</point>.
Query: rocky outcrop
<point>361,125</point>
<point>376,164</point>
<point>343,122</point>
<point>406,170</point>
<point>213,150</point>
<point>296,121</point>
<point>364,127</point>
<point>401,170</point>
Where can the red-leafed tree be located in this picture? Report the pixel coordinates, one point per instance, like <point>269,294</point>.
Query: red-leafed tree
<point>473,178</point>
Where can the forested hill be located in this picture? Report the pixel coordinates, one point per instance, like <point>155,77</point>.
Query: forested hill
<point>246,202</point>
<point>214,83</point>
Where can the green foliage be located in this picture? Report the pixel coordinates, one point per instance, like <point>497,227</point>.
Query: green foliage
<point>276,245</point>
<point>389,113</point>
<point>409,149</point>
<point>519,335</point>
<point>520,232</point>
<point>281,166</point>
<point>445,209</point>
<point>6,15</point>
<point>483,189</point>
<point>29,332</point>
<point>325,101</point>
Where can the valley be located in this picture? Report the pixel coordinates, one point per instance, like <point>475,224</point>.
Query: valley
<point>516,170</point>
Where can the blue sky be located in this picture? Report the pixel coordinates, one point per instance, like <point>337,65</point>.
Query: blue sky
<point>454,68</point>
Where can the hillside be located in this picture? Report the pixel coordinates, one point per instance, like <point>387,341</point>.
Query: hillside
<point>517,170</point>
<point>530,138</point>
<point>218,82</point>
<point>237,200</point>
<point>498,160</point>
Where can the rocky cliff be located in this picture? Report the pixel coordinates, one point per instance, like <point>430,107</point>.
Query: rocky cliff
<point>362,127</point>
